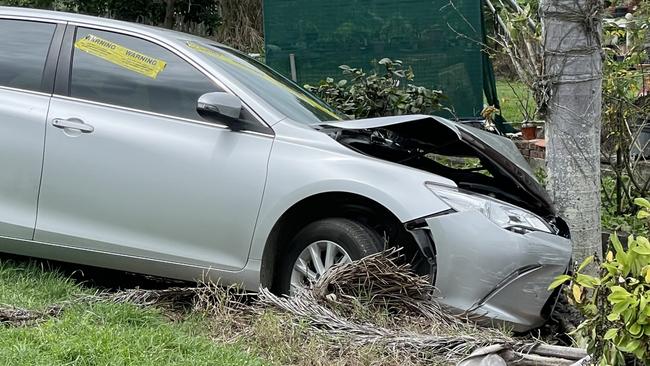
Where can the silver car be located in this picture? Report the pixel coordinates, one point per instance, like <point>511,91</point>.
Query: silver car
<point>147,150</point>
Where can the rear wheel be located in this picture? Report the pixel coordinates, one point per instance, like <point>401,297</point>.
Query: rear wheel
<point>320,245</point>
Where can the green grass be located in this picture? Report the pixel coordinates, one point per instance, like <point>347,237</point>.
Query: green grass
<point>101,333</point>
<point>28,285</point>
<point>513,97</point>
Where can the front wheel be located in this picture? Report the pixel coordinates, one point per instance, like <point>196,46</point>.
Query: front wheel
<point>322,244</point>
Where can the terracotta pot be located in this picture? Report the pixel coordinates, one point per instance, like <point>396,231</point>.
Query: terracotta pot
<point>529,133</point>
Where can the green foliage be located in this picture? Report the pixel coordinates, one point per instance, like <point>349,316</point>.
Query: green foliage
<point>362,95</point>
<point>39,4</point>
<point>205,12</point>
<point>619,219</point>
<point>146,11</point>
<point>541,176</point>
<point>615,302</point>
<point>624,112</point>
<point>518,45</point>
<point>101,333</point>
<point>622,223</point>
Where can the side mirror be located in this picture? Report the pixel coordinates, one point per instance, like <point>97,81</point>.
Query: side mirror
<point>220,106</point>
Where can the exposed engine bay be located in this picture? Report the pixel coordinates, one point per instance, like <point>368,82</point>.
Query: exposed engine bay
<point>442,147</point>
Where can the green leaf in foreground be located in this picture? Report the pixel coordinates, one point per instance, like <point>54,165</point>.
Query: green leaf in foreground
<point>558,281</point>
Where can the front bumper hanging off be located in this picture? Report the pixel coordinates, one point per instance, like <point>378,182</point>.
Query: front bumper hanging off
<point>491,274</point>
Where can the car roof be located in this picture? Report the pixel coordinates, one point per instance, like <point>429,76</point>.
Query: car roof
<point>172,38</point>
<point>62,16</point>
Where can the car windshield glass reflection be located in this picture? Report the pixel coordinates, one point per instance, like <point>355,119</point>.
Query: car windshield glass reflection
<point>284,95</point>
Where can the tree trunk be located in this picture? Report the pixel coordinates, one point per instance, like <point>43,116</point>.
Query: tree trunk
<point>571,32</point>
<point>169,14</point>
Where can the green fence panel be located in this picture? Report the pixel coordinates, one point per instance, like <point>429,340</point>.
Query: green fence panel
<point>440,39</point>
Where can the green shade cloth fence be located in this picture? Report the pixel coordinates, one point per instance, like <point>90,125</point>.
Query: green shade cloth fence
<point>440,39</point>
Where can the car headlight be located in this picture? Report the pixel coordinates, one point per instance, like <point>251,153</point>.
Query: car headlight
<point>503,214</point>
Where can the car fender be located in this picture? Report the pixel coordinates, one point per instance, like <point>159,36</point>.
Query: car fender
<point>303,167</point>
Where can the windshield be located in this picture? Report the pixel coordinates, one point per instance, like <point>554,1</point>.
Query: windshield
<point>278,91</point>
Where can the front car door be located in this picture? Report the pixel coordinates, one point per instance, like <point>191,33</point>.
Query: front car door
<point>130,167</point>
<point>25,88</point>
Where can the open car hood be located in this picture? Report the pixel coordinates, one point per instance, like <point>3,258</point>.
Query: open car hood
<point>412,140</point>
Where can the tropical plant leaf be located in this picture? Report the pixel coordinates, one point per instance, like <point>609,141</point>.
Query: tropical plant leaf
<point>559,280</point>
<point>611,334</point>
<point>577,293</point>
<point>642,202</point>
<point>585,263</point>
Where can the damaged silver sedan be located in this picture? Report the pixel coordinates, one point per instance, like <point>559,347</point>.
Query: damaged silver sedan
<point>158,152</point>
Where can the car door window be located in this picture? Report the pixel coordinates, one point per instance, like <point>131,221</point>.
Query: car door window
<point>131,72</point>
<point>23,51</point>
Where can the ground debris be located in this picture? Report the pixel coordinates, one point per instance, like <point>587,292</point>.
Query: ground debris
<point>381,282</point>
<point>375,307</point>
<point>421,328</point>
<point>14,316</point>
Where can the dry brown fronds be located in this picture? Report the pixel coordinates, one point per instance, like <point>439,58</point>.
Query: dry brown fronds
<point>382,283</point>
<point>241,25</point>
<point>423,330</point>
<point>207,297</point>
<point>13,316</point>
<point>172,297</point>
<point>452,345</point>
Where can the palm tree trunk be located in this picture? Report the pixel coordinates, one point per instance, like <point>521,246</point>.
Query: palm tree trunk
<point>572,56</point>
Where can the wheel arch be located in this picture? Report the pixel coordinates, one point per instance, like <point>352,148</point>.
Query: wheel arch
<point>323,205</point>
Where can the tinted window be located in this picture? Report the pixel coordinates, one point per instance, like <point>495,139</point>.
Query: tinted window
<point>23,50</point>
<point>131,72</point>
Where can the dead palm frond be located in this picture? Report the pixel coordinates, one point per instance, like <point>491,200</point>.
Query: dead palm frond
<point>241,25</point>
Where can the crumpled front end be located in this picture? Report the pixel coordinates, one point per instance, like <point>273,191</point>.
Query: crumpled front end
<point>493,274</point>
<point>497,248</point>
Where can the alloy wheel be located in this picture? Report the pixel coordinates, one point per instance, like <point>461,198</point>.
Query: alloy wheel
<point>314,260</point>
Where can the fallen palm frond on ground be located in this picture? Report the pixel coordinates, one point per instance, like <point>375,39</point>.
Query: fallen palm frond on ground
<point>374,310</point>
<point>380,282</point>
<point>417,324</point>
<point>426,332</point>
<point>10,315</point>
<point>451,346</point>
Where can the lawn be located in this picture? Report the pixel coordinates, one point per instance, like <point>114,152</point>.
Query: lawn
<point>101,333</point>
<point>515,99</point>
<point>215,332</point>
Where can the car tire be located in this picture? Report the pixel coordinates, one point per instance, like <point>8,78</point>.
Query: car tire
<point>353,238</point>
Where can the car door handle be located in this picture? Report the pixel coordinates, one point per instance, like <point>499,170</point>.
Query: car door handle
<point>73,124</point>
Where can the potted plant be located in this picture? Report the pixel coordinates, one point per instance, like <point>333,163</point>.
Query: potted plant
<point>528,130</point>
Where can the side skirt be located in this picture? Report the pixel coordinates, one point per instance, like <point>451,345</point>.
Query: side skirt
<point>248,278</point>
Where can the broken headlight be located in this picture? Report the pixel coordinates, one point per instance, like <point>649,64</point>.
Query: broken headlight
<point>501,213</point>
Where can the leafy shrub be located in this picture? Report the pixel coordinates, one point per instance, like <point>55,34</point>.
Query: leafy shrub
<point>361,95</point>
<point>615,303</point>
<point>614,217</point>
<point>624,112</point>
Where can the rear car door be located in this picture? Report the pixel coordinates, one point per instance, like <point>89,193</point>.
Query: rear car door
<point>26,81</point>
<point>131,168</point>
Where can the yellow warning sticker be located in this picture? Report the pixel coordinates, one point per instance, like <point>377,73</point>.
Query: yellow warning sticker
<point>121,56</point>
